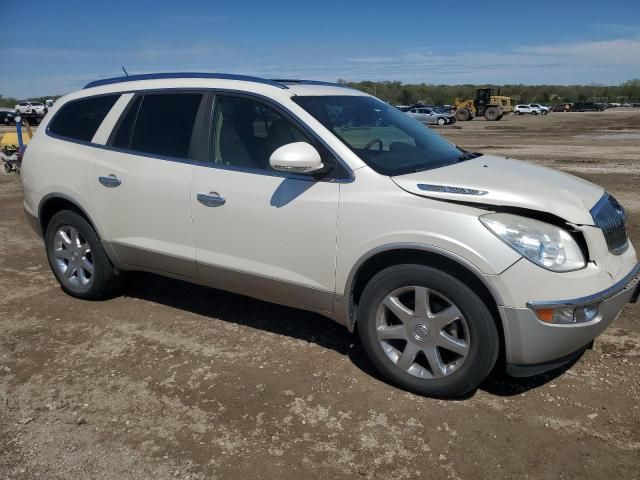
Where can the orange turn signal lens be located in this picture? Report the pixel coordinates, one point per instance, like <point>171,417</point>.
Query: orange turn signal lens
<point>545,314</point>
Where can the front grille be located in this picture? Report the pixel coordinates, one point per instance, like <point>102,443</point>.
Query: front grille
<point>611,218</point>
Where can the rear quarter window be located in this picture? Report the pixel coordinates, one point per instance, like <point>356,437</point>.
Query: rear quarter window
<point>80,119</point>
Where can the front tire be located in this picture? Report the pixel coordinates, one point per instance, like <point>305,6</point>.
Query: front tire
<point>491,114</point>
<point>426,331</point>
<point>463,114</point>
<point>77,258</point>
<point>441,121</point>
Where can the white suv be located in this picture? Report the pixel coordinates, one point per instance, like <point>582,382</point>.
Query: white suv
<point>325,198</point>
<point>522,109</point>
<point>543,110</point>
<point>37,108</point>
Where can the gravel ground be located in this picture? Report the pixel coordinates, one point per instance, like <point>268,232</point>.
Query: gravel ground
<point>171,380</point>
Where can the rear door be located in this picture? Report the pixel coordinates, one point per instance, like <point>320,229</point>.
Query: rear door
<point>258,231</point>
<point>142,180</point>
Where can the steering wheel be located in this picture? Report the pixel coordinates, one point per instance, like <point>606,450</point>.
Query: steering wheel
<point>372,142</point>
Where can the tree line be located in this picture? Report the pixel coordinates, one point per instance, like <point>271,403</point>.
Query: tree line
<point>10,102</point>
<point>398,93</point>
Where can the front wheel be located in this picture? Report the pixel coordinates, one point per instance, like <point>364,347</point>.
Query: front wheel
<point>441,121</point>
<point>77,258</point>
<point>426,331</point>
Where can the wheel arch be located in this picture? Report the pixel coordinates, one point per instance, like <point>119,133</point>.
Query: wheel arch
<point>386,256</point>
<point>54,203</point>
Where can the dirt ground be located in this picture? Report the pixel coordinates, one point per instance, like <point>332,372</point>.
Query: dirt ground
<point>171,380</point>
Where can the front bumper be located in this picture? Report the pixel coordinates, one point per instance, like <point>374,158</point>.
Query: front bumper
<point>541,346</point>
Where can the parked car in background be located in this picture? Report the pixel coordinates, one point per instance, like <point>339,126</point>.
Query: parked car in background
<point>543,110</point>
<point>561,107</point>
<point>443,109</point>
<point>404,108</point>
<point>587,107</point>
<point>7,116</point>
<point>431,116</point>
<point>37,108</point>
<point>526,109</point>
<point>49,103</point>
<point>321,197</point>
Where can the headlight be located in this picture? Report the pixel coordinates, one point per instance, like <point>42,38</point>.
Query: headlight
<point>544,244</point>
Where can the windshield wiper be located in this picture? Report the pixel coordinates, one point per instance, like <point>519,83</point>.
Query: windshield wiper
<point>469,156</point>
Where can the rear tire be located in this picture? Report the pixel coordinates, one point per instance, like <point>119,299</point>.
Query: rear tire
<point>77,258</point>
<point>444,346</point>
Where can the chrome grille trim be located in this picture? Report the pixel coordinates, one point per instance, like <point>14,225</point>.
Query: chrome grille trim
<point>610,217</point>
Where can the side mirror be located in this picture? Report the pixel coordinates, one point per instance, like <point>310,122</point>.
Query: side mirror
<point>297,157</point>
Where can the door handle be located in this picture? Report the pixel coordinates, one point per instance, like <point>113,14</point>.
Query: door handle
<point>211,199</point>
<point>111,181</point>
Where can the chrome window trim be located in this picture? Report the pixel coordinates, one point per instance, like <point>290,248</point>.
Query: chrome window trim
<point>632,278</point>
<point>350,175</point>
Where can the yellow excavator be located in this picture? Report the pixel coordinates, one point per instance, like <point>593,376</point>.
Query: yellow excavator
<point>488,104</point>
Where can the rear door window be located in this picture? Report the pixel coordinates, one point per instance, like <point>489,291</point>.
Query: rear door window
<point>80,119</point>
<point>164,124</point>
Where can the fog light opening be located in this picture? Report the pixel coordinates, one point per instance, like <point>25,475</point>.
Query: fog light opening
<point>585,314</point>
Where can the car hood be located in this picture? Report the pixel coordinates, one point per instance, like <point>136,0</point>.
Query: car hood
<point>497,181</point>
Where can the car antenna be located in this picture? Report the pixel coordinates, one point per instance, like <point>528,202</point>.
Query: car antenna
<point>125,71</point>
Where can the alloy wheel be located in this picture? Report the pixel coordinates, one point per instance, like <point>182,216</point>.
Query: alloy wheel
<point>73,258</point>
<point>422,332</point>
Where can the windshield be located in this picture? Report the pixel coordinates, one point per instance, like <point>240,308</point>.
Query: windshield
<point>389,141</point>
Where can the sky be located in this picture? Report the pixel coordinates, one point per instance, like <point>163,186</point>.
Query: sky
<point>55,47</point>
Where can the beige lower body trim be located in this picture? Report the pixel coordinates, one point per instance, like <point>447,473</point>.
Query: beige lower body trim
<point>251,285</point>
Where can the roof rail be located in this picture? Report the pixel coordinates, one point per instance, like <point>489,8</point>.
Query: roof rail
<point>156,76</point>
<point>286,81</point>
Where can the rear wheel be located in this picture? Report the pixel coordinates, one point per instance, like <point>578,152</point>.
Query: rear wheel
<point>426,331</point>
<point>77,258</point>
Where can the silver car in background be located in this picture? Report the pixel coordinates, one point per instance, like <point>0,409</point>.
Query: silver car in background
<point>431,116</point>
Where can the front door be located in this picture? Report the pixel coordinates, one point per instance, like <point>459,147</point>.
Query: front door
<point>260,232</point>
